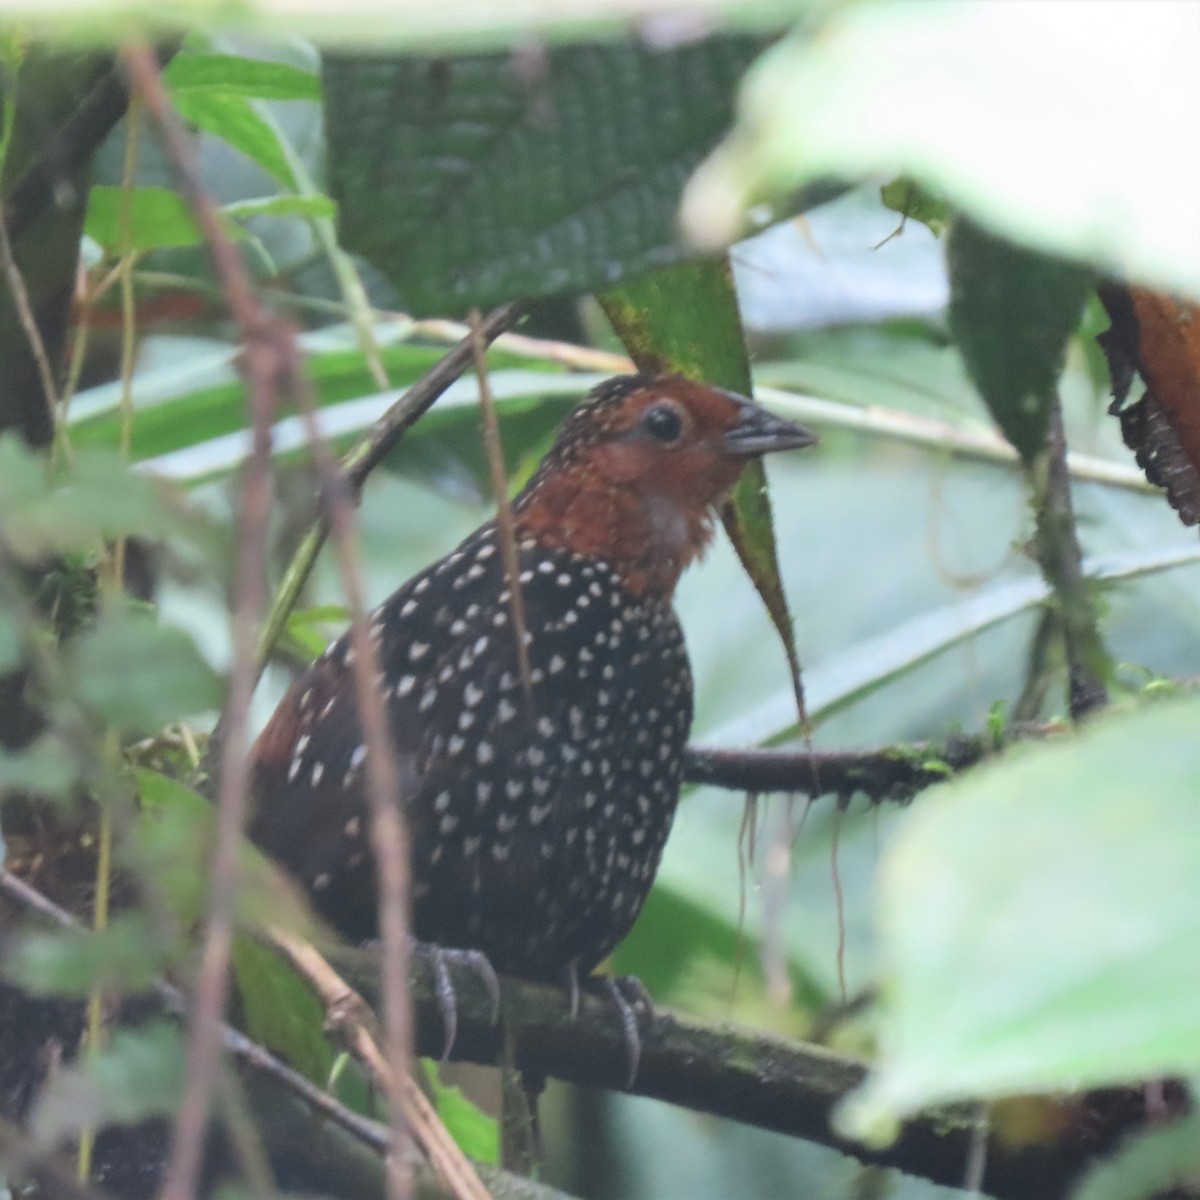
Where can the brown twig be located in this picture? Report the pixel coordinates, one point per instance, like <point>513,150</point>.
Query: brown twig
<point>352,1023</point>
<point>504,515</point>
<point>264,363</point>
<point>402,415</point>
<point>389,835</point>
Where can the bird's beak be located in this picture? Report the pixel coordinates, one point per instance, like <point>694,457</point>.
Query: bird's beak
<point>760,432</point>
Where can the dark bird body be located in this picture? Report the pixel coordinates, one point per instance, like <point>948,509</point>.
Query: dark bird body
<point>537,808</point>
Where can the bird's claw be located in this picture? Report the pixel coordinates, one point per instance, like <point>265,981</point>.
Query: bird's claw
<point>441,959</point>
<point>626,994</point>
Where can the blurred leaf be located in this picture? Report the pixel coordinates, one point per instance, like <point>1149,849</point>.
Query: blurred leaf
<point>1013,312</point>
<point>309,207</point>
<point>1152,1163</point>
<point>158,218</point>
<point>280,1011</point>
<point>138,1075</point>
<point>470,180</point>
<point>1040,920</point>
<point>173,842</point>
<point>238,75</point>
<point>10,642</point>
<point>183,406</point>
<point>100,498</point>
<point>477,1134</point>
<point>45,767</point>
<point>448,27</point>
<point>981,103</point>
<point>232,117</point>
<point>140,676</point>
<point>684,320</point>
<point>126,957</point>
<point>305,627</point>
<point>914,203</point>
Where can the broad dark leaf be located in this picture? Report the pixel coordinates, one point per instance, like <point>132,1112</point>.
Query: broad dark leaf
<point>471,180</point>
<point>1013,311</point>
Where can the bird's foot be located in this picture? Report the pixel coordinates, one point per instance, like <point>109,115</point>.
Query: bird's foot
<point>440,960</point>
<point>626,994</point>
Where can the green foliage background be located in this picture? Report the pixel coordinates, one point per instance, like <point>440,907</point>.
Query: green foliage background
<point>915,606</point>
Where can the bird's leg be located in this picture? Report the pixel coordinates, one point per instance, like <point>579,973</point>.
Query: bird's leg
<point>626,994</point>
<point>441,959</point>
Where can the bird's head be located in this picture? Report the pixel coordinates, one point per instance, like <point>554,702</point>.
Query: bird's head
<point>637,469</point>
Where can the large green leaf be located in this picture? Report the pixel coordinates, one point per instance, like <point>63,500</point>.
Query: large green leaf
<point>1013,311</point>
<point>1017,113</point>
<point>1040,920</point>
<point>468,181</point>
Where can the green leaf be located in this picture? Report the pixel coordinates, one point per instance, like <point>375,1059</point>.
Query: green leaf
<point>140,676</point>
<point>477,1134</point>
<point>138,1075</point>
<point>173,842</point>
<point>685,320</point>
<point>310,207</point>
<point>237,75</point>
<point>914,203</point>
<point>1040,920</point>
<point>1152,1163</point>
<point>468,181</point>
<point>280,1011</point>
<point>43,768</point>
<point>101,498</point>
<point>1013,312</point>
<point>1004,109</point>
<point>158,218</point>
<point>126,956</point>
<point>234,119</point>
<point>10,642</point>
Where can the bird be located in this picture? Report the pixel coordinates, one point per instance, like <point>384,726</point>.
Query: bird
<point>538,788</point>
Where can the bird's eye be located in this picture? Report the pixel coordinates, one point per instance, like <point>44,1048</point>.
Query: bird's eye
<point>663,423</point>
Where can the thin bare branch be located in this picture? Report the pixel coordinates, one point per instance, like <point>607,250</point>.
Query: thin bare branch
<point>893,773</point>
<point>504,516</point>
<point>265,363</point>
<point>352,1023</point>
<point>388,832</point>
